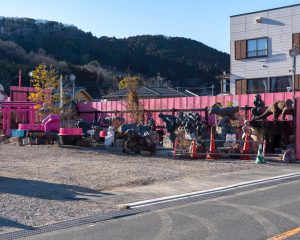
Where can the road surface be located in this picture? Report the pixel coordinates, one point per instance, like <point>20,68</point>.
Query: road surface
<point>268,212</point>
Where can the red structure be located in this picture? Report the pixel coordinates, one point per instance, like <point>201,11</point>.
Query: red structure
<point>18,93</point>
<point>22,108</point>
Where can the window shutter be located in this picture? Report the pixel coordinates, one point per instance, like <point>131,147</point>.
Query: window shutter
<point>296,40</point>
<point>240,49</point>
<point>244,86</point>
<point>241,86</point>
<point>297,82</point>
<point>238,87</point>
<point>243,49</point>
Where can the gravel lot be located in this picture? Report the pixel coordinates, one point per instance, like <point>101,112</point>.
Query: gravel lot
<point>45,184</point>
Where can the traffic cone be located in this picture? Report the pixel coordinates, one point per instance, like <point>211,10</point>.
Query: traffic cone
<point>193,150</point>
<point>246,149</point>
<point>260,157</point>
<point>212,153</point>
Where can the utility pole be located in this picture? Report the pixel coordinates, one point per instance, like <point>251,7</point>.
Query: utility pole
<point>212,89</point>
<point>293,53</point>
<point>159,80</point>
<point>73,90</point>
<point>20,78</point>
<point>61,103</point>
<point>294,71</point>
<point>72,78</point>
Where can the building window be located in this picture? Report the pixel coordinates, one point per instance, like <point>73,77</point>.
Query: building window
<point>273,84</point>
<point>225,85</point>
<point>258,85</point>
<point>257,47</point>
<point>280,84</point>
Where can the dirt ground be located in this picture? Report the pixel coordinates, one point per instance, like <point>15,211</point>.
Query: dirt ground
<point>43,184</point>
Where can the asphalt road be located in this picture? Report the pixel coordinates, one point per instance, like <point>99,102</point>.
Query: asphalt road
<point>260,213</point>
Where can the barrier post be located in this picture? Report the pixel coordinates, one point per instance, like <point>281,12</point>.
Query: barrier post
<point>246,149</point>
<point>193,150</point>
<point>212,153</point>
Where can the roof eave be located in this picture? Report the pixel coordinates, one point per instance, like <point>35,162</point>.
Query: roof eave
<point>266,10</point>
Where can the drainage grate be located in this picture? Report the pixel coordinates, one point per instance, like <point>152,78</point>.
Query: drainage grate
<point>70,223</point>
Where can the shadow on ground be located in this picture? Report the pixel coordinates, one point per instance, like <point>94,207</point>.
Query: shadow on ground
<point>46,190</point>
<point>4,222</point>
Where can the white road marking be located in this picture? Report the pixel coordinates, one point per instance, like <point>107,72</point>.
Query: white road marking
<point>172,198</point>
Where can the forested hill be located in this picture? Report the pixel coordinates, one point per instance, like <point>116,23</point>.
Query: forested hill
<point>176,59</point>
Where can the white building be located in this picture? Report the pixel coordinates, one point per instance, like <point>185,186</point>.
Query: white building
<point>259,50</point>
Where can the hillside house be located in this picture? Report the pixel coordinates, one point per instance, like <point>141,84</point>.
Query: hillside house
<point>148,92</point>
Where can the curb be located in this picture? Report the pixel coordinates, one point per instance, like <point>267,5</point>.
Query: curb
<point>156,201</point>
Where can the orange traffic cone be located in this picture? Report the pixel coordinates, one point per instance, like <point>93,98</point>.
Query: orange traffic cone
<point>212,153</point>
<point>193,150</point>
<point>246,149</point>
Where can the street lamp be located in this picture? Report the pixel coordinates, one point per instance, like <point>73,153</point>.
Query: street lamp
<point>30,74</point>
<point>73,78</point>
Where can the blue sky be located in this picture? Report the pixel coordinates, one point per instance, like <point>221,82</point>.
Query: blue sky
<point>206,21</point>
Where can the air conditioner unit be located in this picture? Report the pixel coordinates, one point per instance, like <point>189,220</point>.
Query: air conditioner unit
<point>258,19</point>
